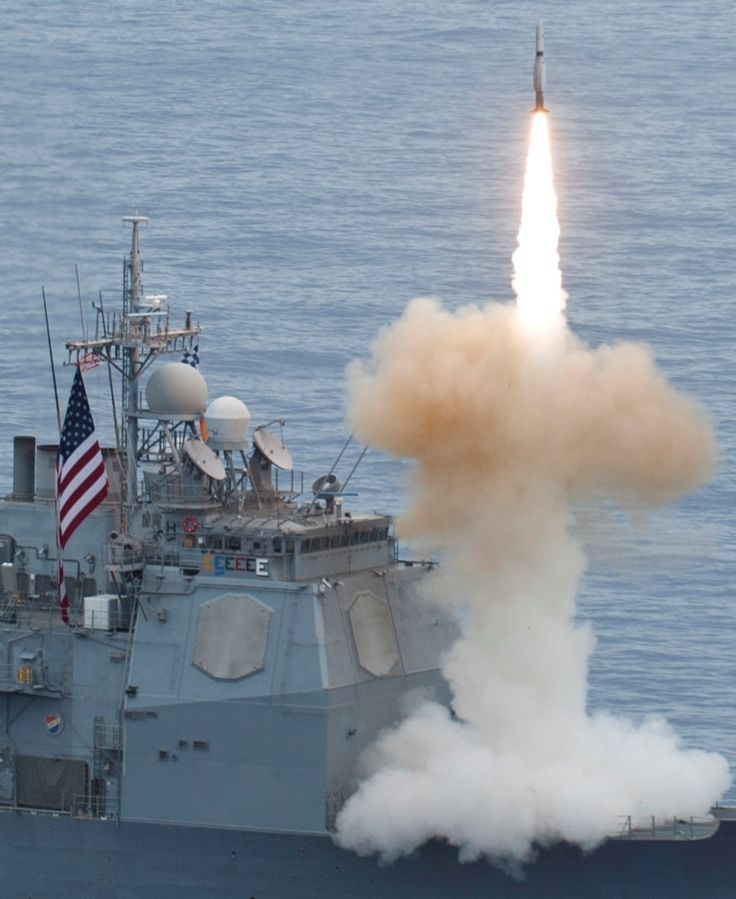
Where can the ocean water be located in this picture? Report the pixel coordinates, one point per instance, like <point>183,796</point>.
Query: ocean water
<point>310,167</point>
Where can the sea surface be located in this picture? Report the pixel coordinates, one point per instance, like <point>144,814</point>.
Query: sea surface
<point>310,167</point>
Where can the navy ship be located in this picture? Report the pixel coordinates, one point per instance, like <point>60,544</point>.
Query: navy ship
<point>186,722</point>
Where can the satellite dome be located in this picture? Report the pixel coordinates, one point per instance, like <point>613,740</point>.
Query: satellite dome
<point>176,391</point>
<point>227,423</point>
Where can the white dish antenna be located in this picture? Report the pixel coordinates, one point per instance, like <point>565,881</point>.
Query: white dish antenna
<point>204,459</point>
<point>272,449</point>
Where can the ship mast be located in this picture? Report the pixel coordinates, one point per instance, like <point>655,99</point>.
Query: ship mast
<point>131,359</point>
<point>131,341</point>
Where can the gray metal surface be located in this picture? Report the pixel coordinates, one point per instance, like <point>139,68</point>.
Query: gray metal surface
<point>58,858</point>
<point>232,635</point>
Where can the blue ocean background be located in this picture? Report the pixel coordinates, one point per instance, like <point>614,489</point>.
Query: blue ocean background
<point>310,167</point>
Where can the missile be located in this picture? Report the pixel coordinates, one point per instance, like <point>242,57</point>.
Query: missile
<point>539,71</point>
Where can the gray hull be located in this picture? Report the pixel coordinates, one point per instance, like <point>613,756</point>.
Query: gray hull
<point>43,857</point>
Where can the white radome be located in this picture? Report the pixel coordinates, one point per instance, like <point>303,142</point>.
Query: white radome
<point>176,390</point>
<point>227,420</point>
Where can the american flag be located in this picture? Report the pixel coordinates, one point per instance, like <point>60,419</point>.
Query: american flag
<point>89,360</point>
<point>81,482</point>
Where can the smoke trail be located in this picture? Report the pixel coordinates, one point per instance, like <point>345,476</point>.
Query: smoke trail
<point>510,417</point>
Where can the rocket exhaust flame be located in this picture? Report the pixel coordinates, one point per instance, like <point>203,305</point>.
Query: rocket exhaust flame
<point>537,279</point>
<point>510,417</point>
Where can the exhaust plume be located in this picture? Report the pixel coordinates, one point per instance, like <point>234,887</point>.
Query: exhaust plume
<point>510,417</point>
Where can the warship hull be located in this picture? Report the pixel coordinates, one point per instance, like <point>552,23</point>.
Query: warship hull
<point>46,857</point>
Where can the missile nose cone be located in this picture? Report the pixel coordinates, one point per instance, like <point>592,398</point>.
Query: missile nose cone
<point>540,37</point>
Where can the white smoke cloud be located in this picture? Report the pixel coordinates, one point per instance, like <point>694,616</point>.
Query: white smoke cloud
<point>505,437</point>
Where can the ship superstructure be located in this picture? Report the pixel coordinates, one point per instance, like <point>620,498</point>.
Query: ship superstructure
<point>233,643</point>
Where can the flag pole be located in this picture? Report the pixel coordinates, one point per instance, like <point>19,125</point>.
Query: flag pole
<point>81,305</point>
<point>51,359</point>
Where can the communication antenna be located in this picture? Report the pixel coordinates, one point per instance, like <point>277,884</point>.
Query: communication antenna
<point>328,487</point>
<point>79,296</point>
<point>354,468</point>
<point>51,358</point>
<point>134,263</point>
<point>272,447</point>
<point>204,459</point>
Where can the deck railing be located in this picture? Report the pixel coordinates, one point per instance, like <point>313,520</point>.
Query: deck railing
<point>665,828</point>
<point>43,613</point>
